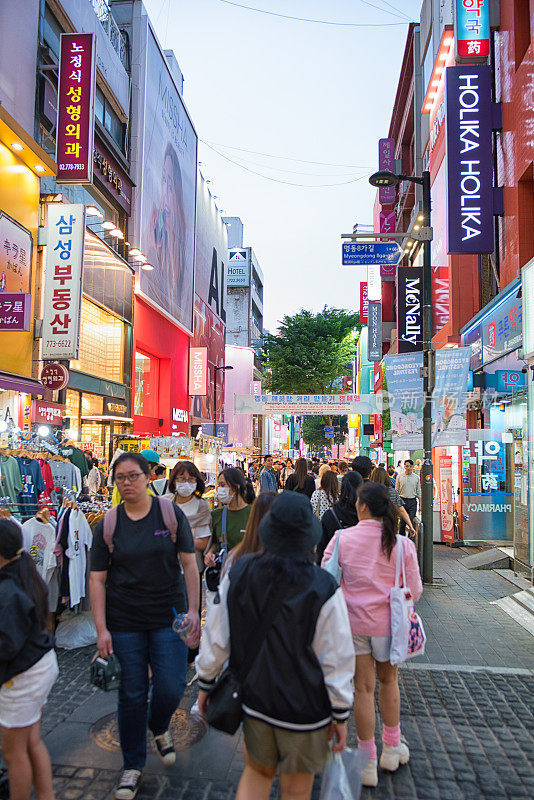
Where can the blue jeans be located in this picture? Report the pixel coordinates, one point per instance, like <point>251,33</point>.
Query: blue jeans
<point>166,654</point>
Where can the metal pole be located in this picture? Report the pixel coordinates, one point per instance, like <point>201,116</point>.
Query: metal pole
<point>427,478</point>
<point>215,401</point>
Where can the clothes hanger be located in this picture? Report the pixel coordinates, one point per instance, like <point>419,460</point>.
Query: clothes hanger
<point>43,515</point>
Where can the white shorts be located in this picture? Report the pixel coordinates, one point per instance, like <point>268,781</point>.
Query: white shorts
<point>377,646</point>
<point>23,697</point>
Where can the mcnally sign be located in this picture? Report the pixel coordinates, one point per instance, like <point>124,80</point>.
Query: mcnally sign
<point>409,309</point>
<point>469,160</point>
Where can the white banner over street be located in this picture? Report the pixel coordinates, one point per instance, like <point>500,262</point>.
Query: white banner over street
<point>308,404</point>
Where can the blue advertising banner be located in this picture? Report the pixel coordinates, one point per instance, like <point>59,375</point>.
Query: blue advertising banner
<point>366,253</point>
<point>469,160</point>
<point>449,400</point>
<point>406,399</point>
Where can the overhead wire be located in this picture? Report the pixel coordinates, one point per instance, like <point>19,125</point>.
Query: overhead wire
<point>315,21</point>
<point>282,158</point>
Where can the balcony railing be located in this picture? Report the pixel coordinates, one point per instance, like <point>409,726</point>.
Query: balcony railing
<point>103,12</point>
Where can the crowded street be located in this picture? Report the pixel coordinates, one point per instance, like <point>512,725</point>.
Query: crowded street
<point>266,400</point>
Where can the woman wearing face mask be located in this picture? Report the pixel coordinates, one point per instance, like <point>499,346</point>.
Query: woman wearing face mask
<point>186,488</point>
<point>229,521</point>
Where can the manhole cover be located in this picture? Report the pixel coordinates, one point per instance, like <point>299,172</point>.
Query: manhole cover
<point>186,730</point>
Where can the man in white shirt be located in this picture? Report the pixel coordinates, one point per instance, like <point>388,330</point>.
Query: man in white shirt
<point>409,487</point>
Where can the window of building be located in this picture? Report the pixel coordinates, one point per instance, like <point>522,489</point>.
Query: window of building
<point>102,338</point>
<point>521,29</point>
<point>51,31</point>
<point>146,383</point>
<point>109,119</point>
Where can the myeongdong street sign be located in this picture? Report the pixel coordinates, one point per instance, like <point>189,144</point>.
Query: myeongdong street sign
<point>308,404</point>
<point>363,254</point>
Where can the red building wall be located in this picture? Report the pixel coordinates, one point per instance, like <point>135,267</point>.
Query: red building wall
<point>515,152</point>
<point>156,336</point>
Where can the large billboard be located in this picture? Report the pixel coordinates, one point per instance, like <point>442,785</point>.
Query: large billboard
<point>167,193</point>
<point>211,252</point>
<point>209,333</point>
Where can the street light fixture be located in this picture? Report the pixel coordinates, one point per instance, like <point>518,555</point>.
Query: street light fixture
<point>215,371</point>
<point>382,179</point>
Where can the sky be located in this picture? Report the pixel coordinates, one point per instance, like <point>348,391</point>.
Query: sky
<point>303,92</point>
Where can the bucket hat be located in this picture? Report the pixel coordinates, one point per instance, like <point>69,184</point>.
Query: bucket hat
<point>151,456</point>
<point>290,528</point>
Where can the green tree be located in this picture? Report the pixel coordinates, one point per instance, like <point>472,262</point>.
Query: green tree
<point>313,431</point>
<point>311,351</point>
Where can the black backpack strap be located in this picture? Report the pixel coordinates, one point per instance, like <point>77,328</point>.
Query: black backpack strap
<point>338,523</point>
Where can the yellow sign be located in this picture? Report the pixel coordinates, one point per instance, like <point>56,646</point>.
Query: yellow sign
<point>134,445</point>
<point>353,420</point>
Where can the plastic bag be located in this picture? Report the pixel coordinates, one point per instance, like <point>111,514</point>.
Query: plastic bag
<point>342,776</point>
<point>76,631</point>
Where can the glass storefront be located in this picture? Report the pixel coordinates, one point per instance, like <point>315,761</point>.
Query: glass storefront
<point>146,384</point>
<point>101,343</point>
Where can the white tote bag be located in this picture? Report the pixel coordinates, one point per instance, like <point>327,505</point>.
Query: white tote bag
<point>407,633</point>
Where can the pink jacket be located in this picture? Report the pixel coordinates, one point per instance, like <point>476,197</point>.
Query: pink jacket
<point>368,576</point>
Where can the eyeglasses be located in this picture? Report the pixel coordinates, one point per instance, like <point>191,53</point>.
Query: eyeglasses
<point>131,477</point>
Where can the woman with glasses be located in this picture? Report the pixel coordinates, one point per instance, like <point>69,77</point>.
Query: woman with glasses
<point>137,590</point>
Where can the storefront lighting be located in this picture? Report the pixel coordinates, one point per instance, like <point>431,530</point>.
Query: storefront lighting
<point>117,233</point>
<point>93,211</point>
<point>39,168</point>
<point>17,146</point>
<point>444,55</point>
<point>43,430</point>
<point>108,225</point>
<point>143,259</point>
<point>135,251</point>
<point>416,227</point>
<point>421,217</point>
<point>147,267</point>
<point>126,244</point>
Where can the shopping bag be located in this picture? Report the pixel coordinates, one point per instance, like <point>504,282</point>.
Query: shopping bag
<point>408,636</point>
<point>342,776</point>
<point>332,565</point>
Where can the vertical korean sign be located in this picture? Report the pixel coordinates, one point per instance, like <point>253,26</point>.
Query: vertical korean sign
<point>63,281</point>
<point>469,160</point>
<point>386,160</point>
<point>75,108</point>
<point>364,301</point>
<point>388,224</point>
<point>472,25</point>
<point>446,499</point>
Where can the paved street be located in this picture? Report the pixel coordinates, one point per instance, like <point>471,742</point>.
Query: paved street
<point>467,711</point>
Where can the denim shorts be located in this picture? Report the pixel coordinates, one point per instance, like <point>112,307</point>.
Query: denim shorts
<point>377,646</point>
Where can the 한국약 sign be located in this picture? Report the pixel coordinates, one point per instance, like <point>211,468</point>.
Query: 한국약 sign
<point>469,160</point>
<point>310,404</point>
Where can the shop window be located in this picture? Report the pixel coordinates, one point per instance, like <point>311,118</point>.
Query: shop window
<point>109,119</point>
<point>146,382</point>
<point>101,344</point>
<point>521,29</point>
<point>106,278</point>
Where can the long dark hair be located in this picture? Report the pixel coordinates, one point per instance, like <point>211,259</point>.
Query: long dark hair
<point>301,472</point>
<point>250,542</point>
<point>193,471</point>
<point>235,479</point>
<point>330,485</point>
<point>376,498</point>
<point>30,580</point>
<point>349,489</point>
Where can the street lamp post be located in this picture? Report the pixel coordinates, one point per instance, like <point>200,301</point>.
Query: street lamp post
<point>382,179</point>
<point>215,371</point>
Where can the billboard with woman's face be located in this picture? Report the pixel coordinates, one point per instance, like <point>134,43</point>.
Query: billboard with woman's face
<point>168,193</point>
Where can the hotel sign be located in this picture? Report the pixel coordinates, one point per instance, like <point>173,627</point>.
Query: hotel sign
<point>469,160</point>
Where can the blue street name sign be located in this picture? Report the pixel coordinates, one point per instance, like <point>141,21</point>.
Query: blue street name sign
<point>367,253</point>
<point>328,429</point>
<point>329,435</point>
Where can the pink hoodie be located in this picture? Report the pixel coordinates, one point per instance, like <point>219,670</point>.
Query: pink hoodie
<point>368,576</point>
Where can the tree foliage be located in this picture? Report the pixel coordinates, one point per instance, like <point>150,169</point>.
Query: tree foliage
<point>313,431</point>
<point>310,352</point>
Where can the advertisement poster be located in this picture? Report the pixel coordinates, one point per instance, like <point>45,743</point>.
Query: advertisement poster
<point>15,256</point>
<point>211,251</point>
<point>449,402</point>
<point>168,194</point>
<point>446,499</point>
<point>308,404</point>
<point>208,333</point>
<point>406,401</point>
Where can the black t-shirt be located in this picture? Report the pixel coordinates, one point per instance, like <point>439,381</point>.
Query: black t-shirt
<point>144,578</point>
<point>308,488</point>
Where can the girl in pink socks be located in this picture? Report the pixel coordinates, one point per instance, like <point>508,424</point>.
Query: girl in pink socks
<point>367,557</point>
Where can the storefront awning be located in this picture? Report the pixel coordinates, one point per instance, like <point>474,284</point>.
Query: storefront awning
<point>18,383</point>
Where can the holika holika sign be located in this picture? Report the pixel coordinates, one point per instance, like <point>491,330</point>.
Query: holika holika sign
<point>308,404</point>
<point>469,160</point>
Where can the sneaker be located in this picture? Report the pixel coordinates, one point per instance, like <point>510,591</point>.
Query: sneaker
<point>128,784</point>
<point>370,773</point>
<point>165,749</point>
<point>393,756</point>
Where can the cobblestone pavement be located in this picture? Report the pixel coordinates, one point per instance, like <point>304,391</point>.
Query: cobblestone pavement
<point>467,712</point>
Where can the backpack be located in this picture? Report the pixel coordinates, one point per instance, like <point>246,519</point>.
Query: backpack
<point>166,506</point>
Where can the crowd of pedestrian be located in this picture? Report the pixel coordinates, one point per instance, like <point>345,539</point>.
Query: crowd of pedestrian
<point>306,648</point>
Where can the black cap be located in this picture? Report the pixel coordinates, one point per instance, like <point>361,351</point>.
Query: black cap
<point>290,528</point>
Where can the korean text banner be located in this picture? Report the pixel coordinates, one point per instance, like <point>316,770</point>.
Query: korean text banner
<point>310,404</point>
<point>469,160</point>
<point>168,194</point>
<point>406,399</point>
<point>449,399</point>
<point>63,281</point>
<point>75,108</point>
<point>472,25</point>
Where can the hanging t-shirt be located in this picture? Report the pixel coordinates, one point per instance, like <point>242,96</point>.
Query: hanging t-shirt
<point>10,478</point>
<point>79,540</point>
<point>46,472</point>
<point>66,475</point>
<point>77,457</point>
<point>38,539</point>
<point>32,484</point>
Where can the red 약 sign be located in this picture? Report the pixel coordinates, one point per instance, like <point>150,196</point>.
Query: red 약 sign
<point>75,108</point>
